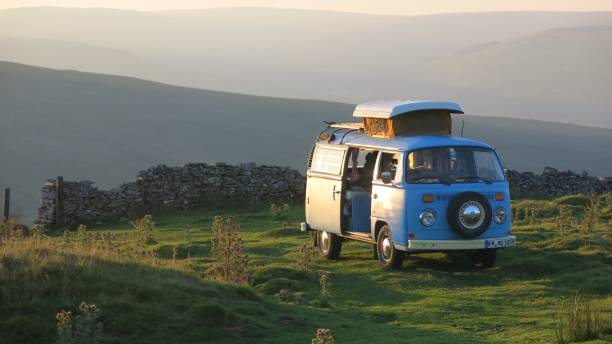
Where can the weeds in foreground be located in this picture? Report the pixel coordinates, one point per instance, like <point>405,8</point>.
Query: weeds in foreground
<point>280,212</point>
<point>564,219</point>
<point>592,211</point>
<point>231,262</point>
<point>580,322</point>
<point>144,229</point>
<point>83,329</point>
<point>325,284</point>
<point>323,336</point>
<point>306,257</point>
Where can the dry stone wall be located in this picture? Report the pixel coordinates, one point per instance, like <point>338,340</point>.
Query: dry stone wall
<point>553,183</point>
<point>163,187</point>
<point>199,184</point>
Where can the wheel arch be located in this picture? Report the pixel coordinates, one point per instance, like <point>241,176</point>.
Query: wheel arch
<point>377,226</point>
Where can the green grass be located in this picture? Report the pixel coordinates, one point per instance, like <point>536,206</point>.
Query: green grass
<point>435,298</point>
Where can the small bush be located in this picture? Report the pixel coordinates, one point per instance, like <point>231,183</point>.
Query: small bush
<point>323,336</point>
<point>144,229</point>
<point>564,219</point>
<point>580,322</point>
<point>592,211</point>
<point>306,257</point>
<point>231,262</point>
<point>325,284</point>
<point>279,212</point>
<point>85,329</point>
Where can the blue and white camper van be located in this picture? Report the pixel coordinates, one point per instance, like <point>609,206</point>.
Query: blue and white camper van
<point>399,181</point>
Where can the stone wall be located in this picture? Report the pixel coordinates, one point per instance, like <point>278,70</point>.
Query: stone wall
<point>553,183</point>
<point>164,187</point>
<point>193,185</point>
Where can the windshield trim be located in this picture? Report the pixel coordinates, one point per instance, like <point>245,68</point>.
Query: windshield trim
<point>439,182</point>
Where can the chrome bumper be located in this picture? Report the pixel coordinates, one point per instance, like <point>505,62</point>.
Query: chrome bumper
<point>447,245</point>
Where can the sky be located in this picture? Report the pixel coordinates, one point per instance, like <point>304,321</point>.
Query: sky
<point>397,7</point>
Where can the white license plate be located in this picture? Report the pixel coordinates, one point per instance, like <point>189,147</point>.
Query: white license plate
<point>495,243</point>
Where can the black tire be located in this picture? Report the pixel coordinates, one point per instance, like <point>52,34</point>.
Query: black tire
<point>388,255</point>
<point>454,217</point>
<point>484,258</point>
<point>329,244</point>
<point>375,251</point>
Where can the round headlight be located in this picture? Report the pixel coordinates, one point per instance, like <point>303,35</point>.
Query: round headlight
<point>500,216</point>
<point>427,218</point>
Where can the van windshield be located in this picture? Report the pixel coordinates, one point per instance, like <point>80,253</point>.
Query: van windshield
<point>453,165</point>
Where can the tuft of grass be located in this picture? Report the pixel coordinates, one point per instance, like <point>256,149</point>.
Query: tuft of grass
<point>581,322</point>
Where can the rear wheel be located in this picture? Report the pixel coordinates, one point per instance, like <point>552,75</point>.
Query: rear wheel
<point>329,244</point>
<point>484,258</point>
<point>388,255</point>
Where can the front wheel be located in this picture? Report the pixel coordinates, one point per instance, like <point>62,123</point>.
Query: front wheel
<point>388,255</point>
<point>329,244</point>
<point>484,258</point>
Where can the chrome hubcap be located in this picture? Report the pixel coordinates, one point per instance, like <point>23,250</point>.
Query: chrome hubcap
<point>324,241</point>
<point>387,248</point>
<point>471,214</point>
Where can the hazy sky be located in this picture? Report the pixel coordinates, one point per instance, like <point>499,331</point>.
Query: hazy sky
<point>403,7</point>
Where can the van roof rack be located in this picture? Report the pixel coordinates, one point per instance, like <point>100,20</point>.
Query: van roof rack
<point>347,125</point>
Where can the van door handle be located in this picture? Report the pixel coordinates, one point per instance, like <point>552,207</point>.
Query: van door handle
<point>375,196</point>
<point>335,192</point>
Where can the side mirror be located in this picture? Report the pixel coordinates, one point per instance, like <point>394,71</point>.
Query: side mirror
<point>506,170</point>
<point>386,177</point>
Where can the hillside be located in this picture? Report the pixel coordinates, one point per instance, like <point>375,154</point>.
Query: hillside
<point>106,128</point>
<point>518,64</point>
<point>163,292</point>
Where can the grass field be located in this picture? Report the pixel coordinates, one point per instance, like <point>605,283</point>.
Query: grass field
<point>162,293</point>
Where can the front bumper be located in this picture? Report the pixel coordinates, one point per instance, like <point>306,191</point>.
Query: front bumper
<point>449,245</point>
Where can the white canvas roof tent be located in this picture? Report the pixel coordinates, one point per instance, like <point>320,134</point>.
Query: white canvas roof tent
<point>393,108</point>
<point>390,118</point>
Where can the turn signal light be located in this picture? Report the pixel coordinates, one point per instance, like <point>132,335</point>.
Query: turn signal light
<point>499,196</point>
<point>428,198</point>
<point>411,235</point>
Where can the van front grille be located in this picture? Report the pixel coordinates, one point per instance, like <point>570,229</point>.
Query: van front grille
<point>447,197</point>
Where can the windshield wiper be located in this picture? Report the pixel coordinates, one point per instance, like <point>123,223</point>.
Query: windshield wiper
<point>474,177</point>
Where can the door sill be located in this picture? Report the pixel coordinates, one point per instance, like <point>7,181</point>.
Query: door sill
<point>359,236</point>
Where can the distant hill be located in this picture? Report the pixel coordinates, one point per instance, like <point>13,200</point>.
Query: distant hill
<point>107,128</point>
<point>517,64</point>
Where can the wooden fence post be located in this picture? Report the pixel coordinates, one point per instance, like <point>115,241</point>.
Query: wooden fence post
<point>59,202</point>
<point>7,204</point>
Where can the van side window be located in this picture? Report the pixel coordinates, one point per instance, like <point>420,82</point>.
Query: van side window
<point>327,160</point>
<point>389,163</point>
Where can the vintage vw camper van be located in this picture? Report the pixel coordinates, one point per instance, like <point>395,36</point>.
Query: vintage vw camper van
<point>399,181</point>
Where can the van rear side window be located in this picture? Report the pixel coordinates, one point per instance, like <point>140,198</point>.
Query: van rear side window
<point>327,160</point>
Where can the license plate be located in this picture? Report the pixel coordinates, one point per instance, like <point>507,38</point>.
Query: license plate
<point>495,243</point>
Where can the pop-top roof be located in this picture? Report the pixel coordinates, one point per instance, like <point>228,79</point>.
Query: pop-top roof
<point>392,108</point>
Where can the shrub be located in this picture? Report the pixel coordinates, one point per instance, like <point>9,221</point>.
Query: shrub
<point>323,336</point>
<point>306,258</point>
<point>564,219</point>
<point>580,322</point>
<point>144,229</point>
<point>325,284</point>
<point>592,211</point>
<point>231,262</point>
<point>279,212</point>
<point>85,329</point>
